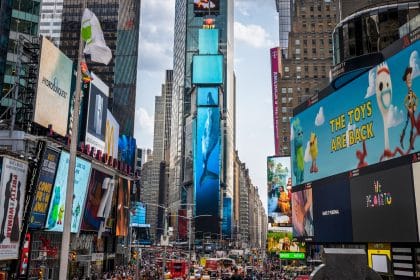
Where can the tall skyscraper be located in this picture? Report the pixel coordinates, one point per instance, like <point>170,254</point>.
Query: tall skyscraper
<point>284,9</point>
<point>120,25</point>
<point>305,71</point>
<point>188,21</point>
<point>50,20</point>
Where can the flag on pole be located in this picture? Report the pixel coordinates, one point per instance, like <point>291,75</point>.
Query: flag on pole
<point>94,37</point>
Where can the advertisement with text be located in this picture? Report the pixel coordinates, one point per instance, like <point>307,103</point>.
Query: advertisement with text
<point>302,214</point>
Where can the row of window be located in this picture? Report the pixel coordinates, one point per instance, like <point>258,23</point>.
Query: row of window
<point>321,42</point>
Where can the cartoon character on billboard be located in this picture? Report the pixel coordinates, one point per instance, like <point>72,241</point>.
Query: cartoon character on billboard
<point>60,215</point>
<point>361,155</point>
<point>410,103</point>
<point>75,215</point>
<point>313,150</point>
<point>55,208</point>
<point>204,4</point>
<point>298,159</point>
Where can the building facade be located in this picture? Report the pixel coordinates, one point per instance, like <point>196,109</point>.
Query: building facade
<point>284,9</point>
<point>50,20</point>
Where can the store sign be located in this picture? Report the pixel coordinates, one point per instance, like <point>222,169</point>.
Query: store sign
<point>292,256</point>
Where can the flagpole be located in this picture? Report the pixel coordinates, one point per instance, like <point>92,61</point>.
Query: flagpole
<point>65,242</point>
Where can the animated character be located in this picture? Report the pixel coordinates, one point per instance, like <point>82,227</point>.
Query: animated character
<point>283,201</point>
<point>76,213</point>
<point>361,155</point>
<point>60,215</point>
<point>313,150</point>
<point>52,220</point>
<point>298,159</point>
<point>204,4</point>
<point>410,103</point>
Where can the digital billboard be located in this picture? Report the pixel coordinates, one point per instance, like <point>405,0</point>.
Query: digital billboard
<point>369,120</point>
<point>12,197</point>
<point>383,208</point>
<point>182,224</point>
<point>127,150</point>
<point>207,168</point>
<point>56,211</point>
<point>207,96</point>
<point>112,132</point>
<point>276,71</point>
<point>54,88</point>
<point>302,214</point>
<point>279,187</point>
<point>96,194</point>
<point>123,204</point>
<point>208,41</point>
<point>227,217</point>
<point>416,180</point>
<point>281,240</point>
<point>332,210</point>
<point>48,168</point>
<point>206,6</point>
<point>137,214</point>
<point>207,69</point>
<point>97,113</point>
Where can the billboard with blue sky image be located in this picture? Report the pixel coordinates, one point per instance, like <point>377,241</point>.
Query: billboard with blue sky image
<point>371,119</point>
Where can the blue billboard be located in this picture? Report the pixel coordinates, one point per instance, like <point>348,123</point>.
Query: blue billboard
<point>207,96</point>
<point>227,217</point>
<point>208,41</point>
<point>371,119</point>
<point>127,150</point>
<point>207,69</point>
<point>137,214</point>
<point>55,218</point>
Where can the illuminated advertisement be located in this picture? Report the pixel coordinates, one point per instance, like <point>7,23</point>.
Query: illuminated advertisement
<point>112,132</point>
<point>127,150</point>
<point>207,167</point>
<point>55,216</point>
<point>208,41</point>
<point>332,209</point>
<point>416,180</point>
<point>371,119</point>
<point>97,113</point>
<point>276,69</point>
<point>383,207</point>
<point>44,187</point>
<point>302,214</point>
<point>12,197</point>
<point>207,69</point>
<point>279,187</point>
<point>54,88</point>
<point>281,240</point>
<point>96,194</point>
<point>137,214</point>
<point>207,96</point>
<point>227,217</point>
<point>206,6</point>
<point>123,204</point>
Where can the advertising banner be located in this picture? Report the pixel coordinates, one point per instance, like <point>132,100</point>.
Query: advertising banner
<point>127,150</point>
<point>332,210</point>
<point>12,197</point>
<point>182,224</point>
<point>371,119</point>
<point>276,69</point>
<point>122,207</point>
<point>227,217</point>
<point>96,195</point>
<point>208,41</point>
<point>280,240</point>
<point>54,88</point>
<point>207,96</point>
<point>207,69</point>
<point>48,168</point>
<point>97,113</point>
<point>207,168</point>
<point>302,214</point>
<point>112,132</point>
<point>55,217</point>
<point>206,6</point>
<point>383,207</point>
<point>279,187</point>
<point>137,214</point>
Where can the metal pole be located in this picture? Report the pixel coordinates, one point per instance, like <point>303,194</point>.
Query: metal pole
<point>165,232</point>
<point>65,242</point>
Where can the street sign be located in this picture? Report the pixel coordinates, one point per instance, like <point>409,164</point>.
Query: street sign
<point>292,255</point>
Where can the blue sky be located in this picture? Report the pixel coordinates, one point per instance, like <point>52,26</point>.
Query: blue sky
<point>256,31</point>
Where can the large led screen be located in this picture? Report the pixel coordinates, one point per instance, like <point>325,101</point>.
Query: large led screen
<point>279,187</point>
<point>332,210</point>
<point>416,180</point>
<point>123,204</point>
<point>207,96</point>
<point>54,88</point>
<point>48,168</point>
<point>227,217</point>
<point>55,218</point>
<point>206,6</point>
<point>112,133</point>
<point>208,69</point>
<point>281,240</point>
<point>12,197</point>
<point>137,214</point>
<point>371,119</point>
<point>207,168</point>
<point>302,214</point>
<point>97,113</point>
<point>127,150</point>
<point>208,41</point>
<point>383,207</point>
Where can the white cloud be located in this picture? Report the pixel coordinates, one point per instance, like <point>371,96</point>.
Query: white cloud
<point>395,117</point>
<point>349,128</point>
<point>253,35</point>
<point>320,118</point>
<point>307,157</point>
<point>415,64</point>
<point>371,88</point>
<point>145,125</point>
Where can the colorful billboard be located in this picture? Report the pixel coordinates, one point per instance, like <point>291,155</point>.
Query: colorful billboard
<point>371,119</point>
<point>279,187</point>
<point>55,216</point>
<point>207,168</point>
<point>97,113</point>
<point>48,168</point>
<point>227,217</point>
<point>112,133</point>
<point>206,6</point>
<point>137,214</point>
<point>416,180</point>
<point>127,150</point>
<point>302,214</point>
<point>123,204</point>
<point>332,210</point>
<point>12,197</point>
<point>98,189</point>
<point>281,240</point>
<point>54,88</point>
<point>207,69</point>
<point>276,70</point>
<point>207,96</point>
<point>383,208</point>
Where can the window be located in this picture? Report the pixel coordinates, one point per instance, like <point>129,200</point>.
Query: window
<point>289,90</point>
<point>283,100</point>
<point>297,42</point>
<point>284,110</point>
<point>286,69</point>
<point>313,42</point>
<point>321,41</point>
<point>297,51</point>
<point>313,50</point>
<point>305,42</point>
<point>298,68</point>
<point>283,90</point>
<point>311,8</point>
